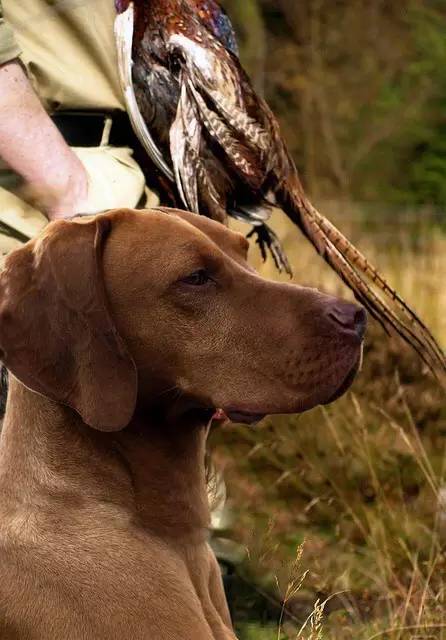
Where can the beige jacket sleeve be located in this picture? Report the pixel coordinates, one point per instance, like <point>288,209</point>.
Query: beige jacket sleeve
<point>9,49</point>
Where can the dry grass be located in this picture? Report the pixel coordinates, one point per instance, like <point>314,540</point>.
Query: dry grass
<point>362,481</point>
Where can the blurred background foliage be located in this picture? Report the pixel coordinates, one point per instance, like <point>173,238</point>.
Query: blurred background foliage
<point>360,90</point>
<point>342,511</point>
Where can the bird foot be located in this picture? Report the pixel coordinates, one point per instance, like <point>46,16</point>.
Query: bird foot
<point>268,242</point>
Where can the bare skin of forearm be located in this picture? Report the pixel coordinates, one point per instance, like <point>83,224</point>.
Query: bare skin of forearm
<point>33,147</point>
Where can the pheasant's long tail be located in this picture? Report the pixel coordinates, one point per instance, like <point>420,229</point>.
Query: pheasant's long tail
<point>368,285</point>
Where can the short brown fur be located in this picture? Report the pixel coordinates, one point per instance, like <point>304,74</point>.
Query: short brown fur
<point>118,361</point>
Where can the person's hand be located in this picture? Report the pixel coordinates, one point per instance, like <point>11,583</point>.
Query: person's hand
<point>103,178</point>
<point>60,194</point>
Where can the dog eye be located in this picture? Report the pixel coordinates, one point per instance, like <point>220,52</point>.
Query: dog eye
<point>198,278</point>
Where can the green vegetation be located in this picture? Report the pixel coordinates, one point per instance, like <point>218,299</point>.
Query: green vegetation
<point>360,90</point>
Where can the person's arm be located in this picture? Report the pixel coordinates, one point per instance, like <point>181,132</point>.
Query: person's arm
<point>33,147</point>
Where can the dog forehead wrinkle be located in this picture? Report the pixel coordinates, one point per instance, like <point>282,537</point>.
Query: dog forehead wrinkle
<point>193,250</point>
<point>227,240</point>
<point>204,245</point>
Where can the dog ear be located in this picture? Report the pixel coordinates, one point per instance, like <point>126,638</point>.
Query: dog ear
<point>56,332</point>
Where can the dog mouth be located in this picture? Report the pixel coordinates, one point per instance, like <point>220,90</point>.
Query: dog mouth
<point>244,417</point>
<point>240,416</point>
<point>237,416</point>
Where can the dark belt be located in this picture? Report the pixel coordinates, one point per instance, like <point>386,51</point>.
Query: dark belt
<point>86,128</point>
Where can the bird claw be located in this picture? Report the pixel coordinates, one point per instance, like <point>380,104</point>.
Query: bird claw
<point>267,241</point>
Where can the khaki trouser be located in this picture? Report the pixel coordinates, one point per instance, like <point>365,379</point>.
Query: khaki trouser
<point>115,180</point>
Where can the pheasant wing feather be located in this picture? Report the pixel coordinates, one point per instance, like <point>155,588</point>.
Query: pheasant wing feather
<point>185,138</point>
<point>243,160</point>
<point>214,84</point>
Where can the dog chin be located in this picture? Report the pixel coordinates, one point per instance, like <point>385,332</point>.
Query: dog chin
<point>346,383</point>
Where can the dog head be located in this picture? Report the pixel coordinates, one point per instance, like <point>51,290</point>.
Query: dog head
<point>161,309</point>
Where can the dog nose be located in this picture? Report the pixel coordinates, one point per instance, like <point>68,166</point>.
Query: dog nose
<point>349,316</point>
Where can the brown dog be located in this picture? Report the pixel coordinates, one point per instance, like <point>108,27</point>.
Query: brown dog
<point>123,334</point>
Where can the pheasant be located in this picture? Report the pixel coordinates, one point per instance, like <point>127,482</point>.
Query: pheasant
<point>201,122</point>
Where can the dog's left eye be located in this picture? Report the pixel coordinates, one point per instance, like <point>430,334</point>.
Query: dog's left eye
<point>198,278</point>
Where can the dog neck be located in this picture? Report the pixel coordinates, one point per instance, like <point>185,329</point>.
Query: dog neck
<point>152,471</point>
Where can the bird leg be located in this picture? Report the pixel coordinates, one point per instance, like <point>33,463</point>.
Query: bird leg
<point>268,241</point>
